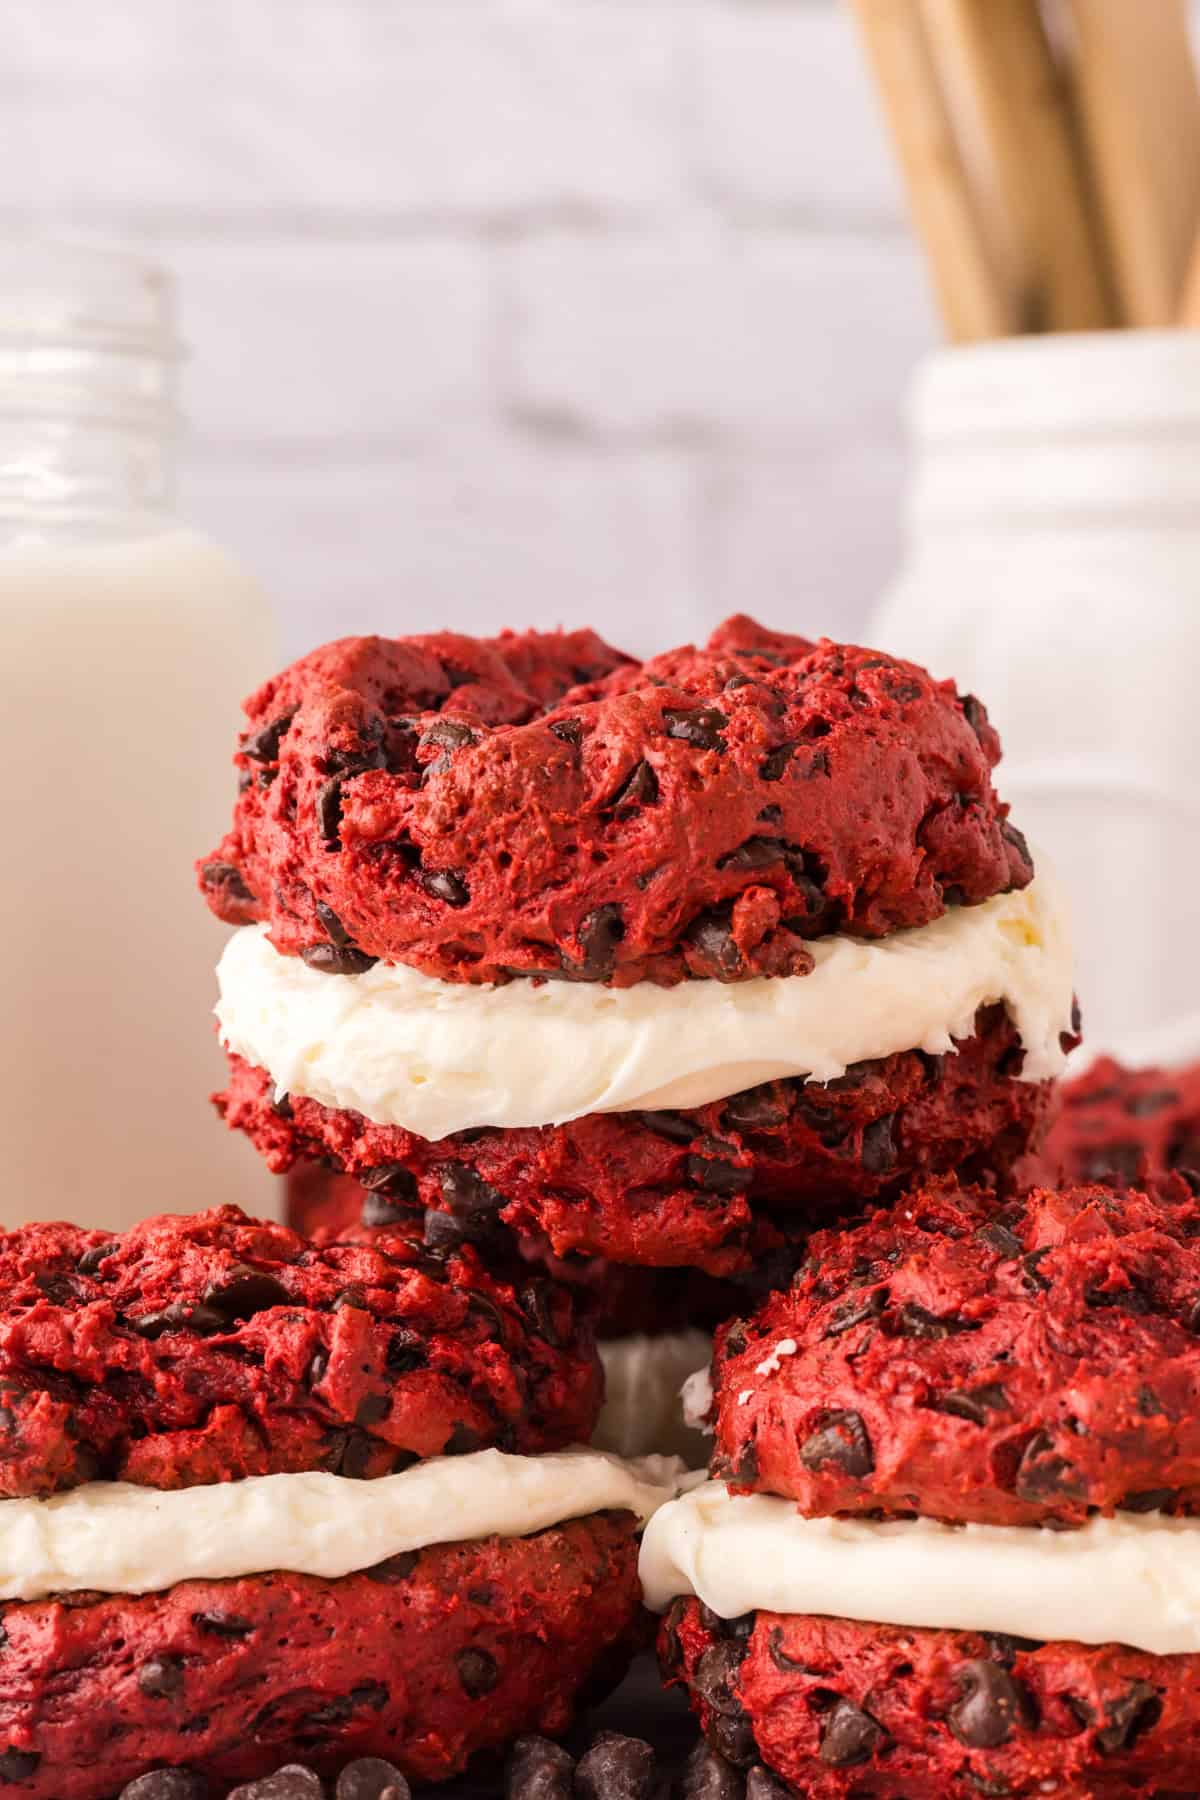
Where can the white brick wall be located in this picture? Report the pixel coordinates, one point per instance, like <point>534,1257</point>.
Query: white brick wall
<point>503,310</point>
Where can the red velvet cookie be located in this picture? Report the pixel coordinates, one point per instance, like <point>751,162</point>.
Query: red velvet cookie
<point>840,1709</point>
<point>203,1349</point>
<point>686,1188</point>
<point>457,805</point>
<point>1024,1366</point>
<point>424,1660</point>
<point>1127,1126</point>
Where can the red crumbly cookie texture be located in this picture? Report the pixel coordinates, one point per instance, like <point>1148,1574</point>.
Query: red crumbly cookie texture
<point>458,805</point>
<point>840,1709</point>
<point>209,1348</point>
<point>1026,1366</point>
<point>688,1188</point>
<point>425,1660</point>
<point>1127,1127</point>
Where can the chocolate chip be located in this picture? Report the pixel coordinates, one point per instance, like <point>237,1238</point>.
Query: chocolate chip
<point>370,1778</point>
<point>841,1439</point>
<point>855,1311</point>
<point>974,713</point>
<point>772,767</point>
<point>243,1292</point>
<point>850,1736</point>
<point>700,726</point>
<point>394,1570</point>
<point>263,745</point>
<point>779,1656</point>
<point>1017,839</point>
<point>448,734</point>
<point>640,788</point>
<point>379,1209</point>
<point>478,1672</point>
<point>372,1409</point>
<point>167,1784</point>
<point>337,959</point>
<point>570,731</point>
<point>539,1770</point>
<point>292,1782</point>
<point>329,811</point>
<point>1137,1711</point>
<point>711,1167</point>
<point>879,1153</point>
<point>998,1237</point>
<point>222,1625</point>
<point>917,1322</point>
<point>757,1109</point>
<point>464,1440</point>
<point>709,1777</point>
<point>17,1765</point>
<point>161,1677</point>
<point>678,1127</point>
<point>974,1404</point>
<point>755,853</point>
<point>762,1785</point>
<point>178,1316</point>
<point>353,1451</point>
<point>333,925</point>
<point>617,1768</point>
<point>447,885</point>
<point>716,1673</point>
<point>991,1705</point>
<point>1045,1476</point>
<point>466,1194</point>
<point>1150,1500</point>
<point>599,934</point>
<point>91,1259</point>
<point>537,1303</point>
<point>711,934</point>
<point>444,1233</point>
<point>226,875</point>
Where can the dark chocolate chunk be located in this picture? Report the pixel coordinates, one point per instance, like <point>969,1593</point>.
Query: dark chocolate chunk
<point>329,811</point>
<point>226,875</point>
<point>243,1292</point>
<point>841,1439</point>
<point>640,788</point>
<point>447,885</point>
<point>974,712</point>
<point>168,1784</point>
<point>757,1109</point>
<point>599,934</point>
<point>974,1404</point>
<point>772,767</point>
<point>537,1303</point>
<point>1043,1474</point>
<point>466,1194</point>
<point>762,1785</point>
<point>991,1705</point>
<point>292,1782</point>
<point>570,731</point>
<point>370,1778</point>
<point>999,1238</point>
<point>916,1321</point>
<point>91,1259</point>
<point>755,853</point>
<point>711,934</point>
<point>161,1677</point>
<point>855,1311</point>
<point>709,1777</point>
<point>394,1570</point>
<point>180,1315</point>
<point>478,1672</point>
<point>448,734</point>
<point>617,1768</point>
<point>539,1770</point>
<point>700,726</point>
<point>879,1152</point>
<point>1150,1500</point>
<point>263,745</point>
<point>222,1625</point>
<point>678,1127</point>
<point>337,959</point>
<point>1137,1711</point>
<point>850,1736</point>
<point>711,1167</point>
<point>382,1206</point>
<point>333,925</point>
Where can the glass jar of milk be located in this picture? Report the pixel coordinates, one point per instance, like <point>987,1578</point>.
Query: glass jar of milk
<point>126,643</point>
<point>1053,567</point>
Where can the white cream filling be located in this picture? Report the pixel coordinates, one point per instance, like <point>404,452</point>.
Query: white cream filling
<point>1133,1579</point>
<point>436,1057</point>
<point>643,1409</point>
<point>120,1539</point>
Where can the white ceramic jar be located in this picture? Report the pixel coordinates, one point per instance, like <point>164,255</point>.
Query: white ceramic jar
<point>1053,567</point>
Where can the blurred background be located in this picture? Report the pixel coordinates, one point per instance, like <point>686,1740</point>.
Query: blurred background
<point>504,311</point>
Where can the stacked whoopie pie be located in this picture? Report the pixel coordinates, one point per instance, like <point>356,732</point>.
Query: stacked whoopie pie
<point>267,1501</point>
<point>950,1545</point>
<point>639,967</point>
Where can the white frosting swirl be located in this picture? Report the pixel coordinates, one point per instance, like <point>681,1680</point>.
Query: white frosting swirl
<point>436,1057</point>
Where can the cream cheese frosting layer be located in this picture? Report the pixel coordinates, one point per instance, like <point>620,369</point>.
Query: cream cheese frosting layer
<point>1132,1579</point>
<point>119,1539</point>
<point>436,1057</point>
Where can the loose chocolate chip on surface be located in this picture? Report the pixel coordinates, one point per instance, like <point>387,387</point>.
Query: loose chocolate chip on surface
<point>263,745</point>
<point>243,1292</point>
<point>161,1677</point>
<point>850,1736</point>
<point>17,1765</point>
<point>1137,1711</point>
<point>841,1439</point>
<point>478,1672</point>
<point>617,1768</point>
<point>293,1782</point>
<point>168,1784</point>
<point>709,1777</point>
<point>447,885</point>
<point>700,726</point>
<point>370,1778</point>
<point>539,1770</point>
<point>990,1706</point>
<point>762,1785</point>
<point>337,959</point>
<point>879,1152</point>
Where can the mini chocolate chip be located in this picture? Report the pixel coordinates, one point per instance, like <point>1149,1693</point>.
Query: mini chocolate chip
<point>755,853</point>
<point>855,1310</point>
<point>226,875</point>
<point>998,1237</point>
<point>762,1785</point>
<point>1137,1711</point>
<point>329,811</point>
<point>243,1292</point>
<point>161,1677</point>
<point>617,1768</point>
<point>447,885</point>
<point>709,1777</point>
<point>394,1570</point>
<point>917,1322</point>
<point>772,767</point>
<point>640,788</point>
<point>1045,1476</point>
<point>879,1153</point>
<point>370,1778</point>
<point>222,1625</point>
<point>599,934</point>
<point>178,1316</point>
<point>850,1736</point>
<point>841,1439</point>
<point>91,1259</point>
<point>478,1672</point>
<point>757,1109</point>
<point>974,1404</point>
<point>700,726</point>
<point>710,933</point>
<point>680,1128</point>
<point>715,1172</point>
<point>991,1705</point>
<point>263,745</point>
<point>292,1782</point>
<point>539,1770</point>
<point>333,925</point>
<point>466,1194</point>
<point>337,959</point>
<point>168,1784</point>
